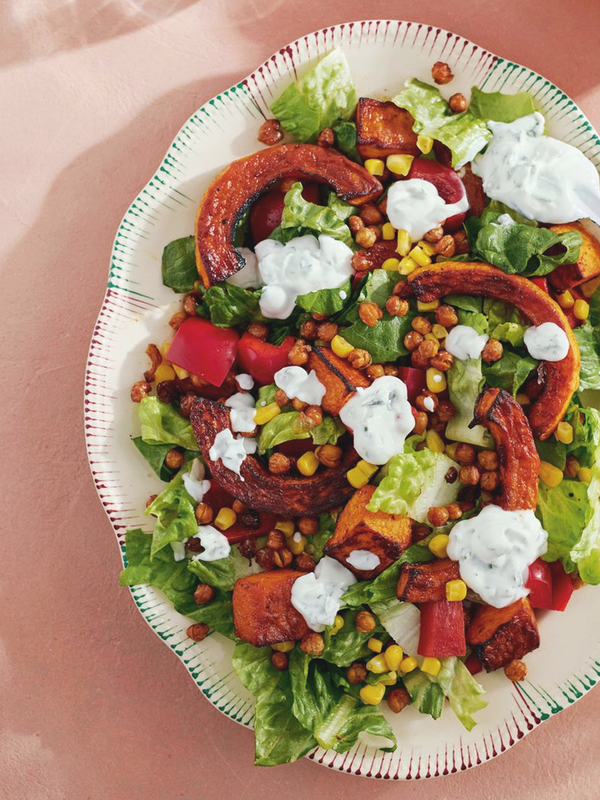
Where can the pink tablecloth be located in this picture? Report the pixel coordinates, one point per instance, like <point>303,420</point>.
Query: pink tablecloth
<point>92,705</point>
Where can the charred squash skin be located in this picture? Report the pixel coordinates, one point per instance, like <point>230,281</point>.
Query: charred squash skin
<point>293,496</point>
<point>337,376</point>
<point>561,377</point>
<point>232,193</point>
<point>519,461</point>
<point>499,635</point>
<point>383,128</point>
<point>566,276</point>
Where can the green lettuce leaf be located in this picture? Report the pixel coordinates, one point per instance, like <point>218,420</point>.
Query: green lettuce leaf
<point>322,536</point>
<point>348,644</point>
<point>278,736</point>
<point>401,620</point>
<point>227,305</point>
<point>413,482</point>
<point>174,512</point>
<point>301,217</point>
<point>588,339</point>
<point>510,372</point>
<point>179,270</point>
<point>586,553</point>
<point>223,573</point>
<point>426,695</point>
<point>466,302</point>
<point>281,429</point>
<point>266,395</point>
<point>461,689</point>
<point>155,455</point>
<point>384,342</point>
<point>323,95</point>
<point>465,382</point>
<point>500,107</point>
<point>345,140</point>
<point>335,718</point>
<point>564,511</point>
<point>464,134</point>
<point>325,301</point>
<point>522,249</point>
<point>161,424</point>
<point>174,579</point>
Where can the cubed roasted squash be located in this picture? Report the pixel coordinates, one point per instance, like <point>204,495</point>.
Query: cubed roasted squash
<point>232,193</point>
<point>262,608</point>
<point>561,377</point>
<point>519,466</point>
<point>260,489</point>
<point>499,635</point>
<point>382,129</point>
<point>426,583</point>
<point>337,376</point>
<point>357,528</point>
<point>588,264</point>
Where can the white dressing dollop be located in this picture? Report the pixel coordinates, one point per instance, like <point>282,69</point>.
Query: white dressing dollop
<point>232,451</point>
<point>305,264</point>
<point>380,418</point>
<point>494,550</point>
<point>540,177</point>
<point>547,342</point>
<point>363,559</point>
<point>317,594</point>
<point>178,550</point>
<point>242,412</point>
<point>296,382</point>
<point>215,544</point>
<point>245,381</point>
<point>194,482</point>
<point>247,277</point>
<point>463,342</point>
<point>414,205</point>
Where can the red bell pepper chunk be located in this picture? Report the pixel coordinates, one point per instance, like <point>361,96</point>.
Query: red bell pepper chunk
<point>415,380</point>
<point>449,186</point>
<point>263,360</point>
<point>542,283</point>
<point>473,664</point>
<point>562,586</point>
<point>218,498</point>
<point>442,629</point>
<point>539,584</point>
<point>266,212</point>
<point>204,349</point>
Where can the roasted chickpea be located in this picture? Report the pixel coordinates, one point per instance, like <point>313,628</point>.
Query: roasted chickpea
<point>445,410</point>
<point>312,644</point>
<point>204,514</point>
<point>359,359</point>
<point>265,558</point>
<point>371,215</point>
<point>298,355</point>
<point>276,540</point>
<point>282,558</point>
<point>366,237</point>
<point>270,132</point>
<point>140,390</point>
<point>279,464</point>
<point>438,516</point>
<point>375,371</point>
<point>442,361</point>
<point>177,320</point>
<point>308,526</point>
<point>329,455</point>
<point>458,103</point>
<point>397,699</point>
<point>327,330</point>
<point>314,414</point>
<point>428,401</point>
<point>488,459</point>
<point>364,622</point>
<point>203,594</point>
<point>492,351</point>
<point>326,138</point>
<point>198,632</point>
<point>390,369</point>
<point>370,313</point>
<point>454,511</point>
<point>461,243</point>
<point>356,673</point>
<point>446,316</point>
<point>150,500</point>
<point>434,235</point>
<point>308,329</point>
<point>428,348</point>
<point>298,405</point>
<point>279,660</point>
<point>465,453</point>
<point>258,329</point>
<point>305,563</point>
<point>186,403</point>
<point>412,340</point>
<point>418,360</point>
<point>281,398</point>
<point>174,459</point>
<point>441,73</point>
<point>516,671</point>
<point>396,307</point>
<point>421,421</point>
<point>490,481</point>
<point>572,467</point>
<point>421,325</point>
<point>403,289</point>
<point>446,247</point>
<point>469,475</point>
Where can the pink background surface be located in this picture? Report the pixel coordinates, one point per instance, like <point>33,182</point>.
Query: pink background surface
<point>92,705</point>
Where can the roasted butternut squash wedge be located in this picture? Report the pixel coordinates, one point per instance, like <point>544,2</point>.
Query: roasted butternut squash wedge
<point>292,495</point>
<point>262,608</point>
<point>426,583</point>
<point>357,528</point>
<point>337,376</point>
<point>561,378</point>
<point>588,264</point>
<point>382,129</point>
<point>498,635</point>
<point>233,191</point>
<point>500,413</point>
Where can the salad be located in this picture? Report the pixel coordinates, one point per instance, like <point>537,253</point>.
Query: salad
<point>372,415</point>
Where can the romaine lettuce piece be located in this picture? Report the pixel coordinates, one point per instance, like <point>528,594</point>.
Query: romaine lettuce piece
<point>301,217</point>
<point>161,424</point>
<point>174,512</point>
<point>414,481</point>
<point>427,696</point>
<point>500,107</point>
<point>282,429</point>
<point>323,95</point>
<point>588,339</point>
<point>402,621</point>
<point>227,305</point>
<point>465,382</point>
<point>464,134</point>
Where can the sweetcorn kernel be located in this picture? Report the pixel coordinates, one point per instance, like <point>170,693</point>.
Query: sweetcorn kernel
<point>431,665</point>
<point>308,463</point>
<point>391,264</point>
<point>456,590</point>
<point>581,310</point>
<point>421,257</point>
<point>266,413</point>
<point>225,519</point>
<point>357,478</point>
<point>376,645</point>
<point>408,664</point>
<point>366,468</point>
<point>399,164</point>
<point>338,624</point>
<point>393,657</point>
<point>436,380</point>
<point>404,242</point>
<point>439,331</point>
<point>407,265</point>
<point>341,347</point>
<point>439,544</point>
<point>286,527</point>
<point>377,664</point>
<point>550,474</point>
<point>427,247</point>
<point>164,372</point>
<point>181,373</point>
<point>565,300</point>
<point>564,433</point>
<point>375,166</point>
<point>424,143</point>
<point>585,474</point>
<point>372,695</point>
<point>283,647</point>
<point>434,442</point>
<point>391,679</point>
<point>388,231</point>
<point>428,306</point>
